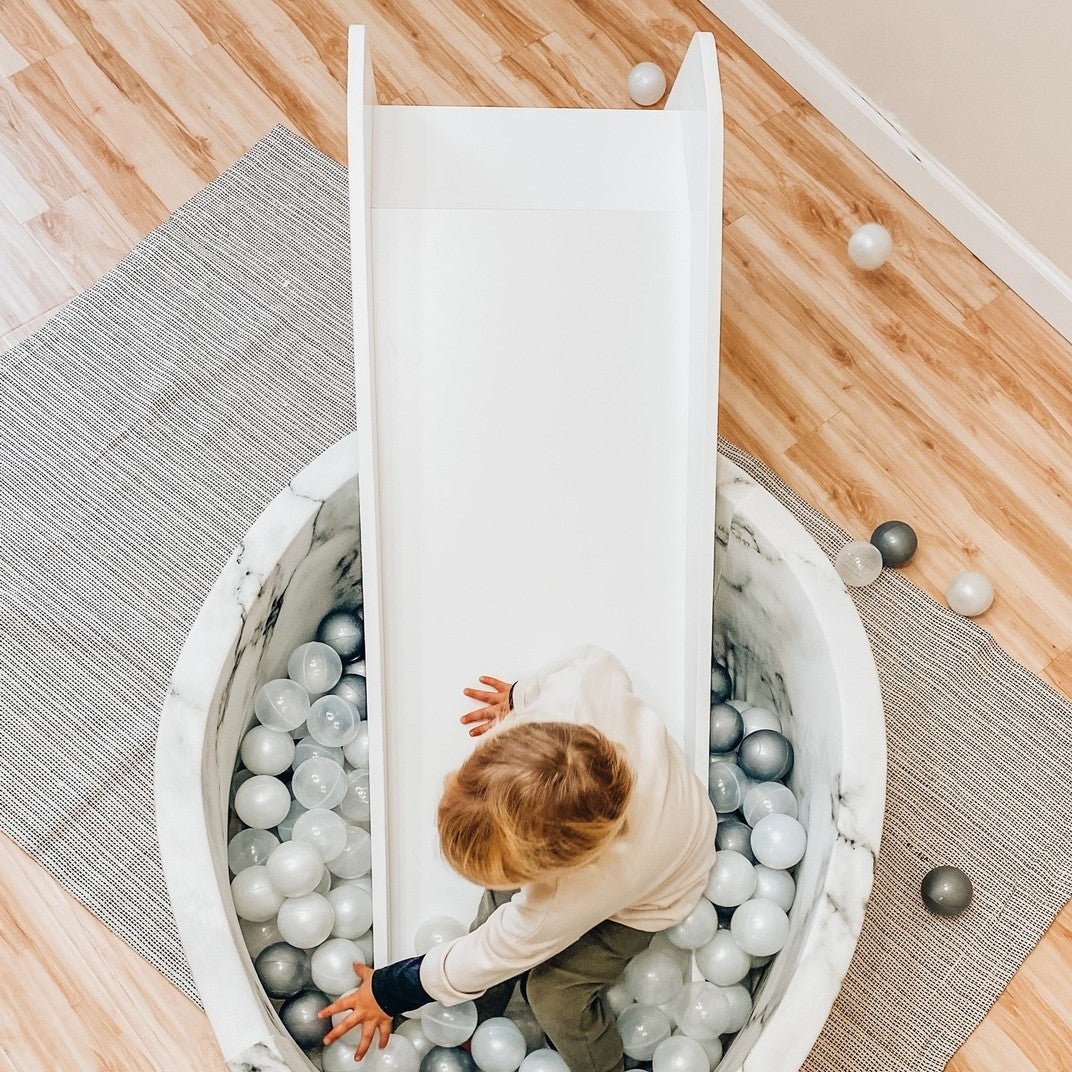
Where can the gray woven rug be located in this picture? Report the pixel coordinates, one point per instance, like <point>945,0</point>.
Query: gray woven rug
<point>146,427</point>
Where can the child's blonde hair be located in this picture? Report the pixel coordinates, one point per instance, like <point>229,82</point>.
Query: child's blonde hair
<point>531,800</point>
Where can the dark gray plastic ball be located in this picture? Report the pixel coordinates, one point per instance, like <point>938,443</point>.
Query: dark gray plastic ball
<point>946,890</point>
<point>721,685</point>
<point>736,836</point>
<point>351,688</point>
<point>727,728</point>
<point>344,631</point>
<point>896,541</point>
<point>283,970</point>
<point>447,1059</point>
<point>766,756</point>
<point>301,1017</point>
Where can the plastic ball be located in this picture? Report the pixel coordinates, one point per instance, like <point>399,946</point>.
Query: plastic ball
<point>449,1025</point>
<point>315,666</point>
<point>344,631</point>
<point>364,943</point>
<point>642,1028</point>
<point>399,1055</point>
<point>679,1053</point>
<point>870,246</point>
<point>779,841</point>
<point>732,879</point>
<point>283,970</point>
<point>727,728</point>
<point>353,690</point>
<point>353,911</point>
<point>339,1057</point>
<point>896,541</point>
<point>722,961</point>
<point>356,805</point>
<point>259,936</point>
<point>858,564</point>
<point>653,977</point>
<point>721,685</point>
<point>306,921</point>
<point>498,1046</point>
<point>946,890</point>
<point>295,868</point>
<point>765,755</point>
<point>776,886</point>
<point>646,84</point>
<point>332,965</point>
<point>760,928</point>
<point>267,751</point>
<point>319,783</point>
<point>281,704</point>
<point>301,1017</point>
<point>740,1002</point>
<point>696,929</point>
<point>412,1030</point>
<point>436,931</point>
<point>262,801</point>
<point>735,836</point>
<point>356,858</point>
<point>446,1059</point>
<point>285,827</point>
<point>544,1060</point>
<point>726,785</point>
<point>740,705</point>
<point>767,798</point>
<point>310,748</point>
<point>254,896</point>
<point>970,593</point>
<point>333,721</point>
<point>617,998</point>
<point>711,1047</point>
<point>702,1011</point>
<point>759,718</point>
<point>323,829</point>
<point>357,751</point>
<point>249,848</point>
<point>323,887</point>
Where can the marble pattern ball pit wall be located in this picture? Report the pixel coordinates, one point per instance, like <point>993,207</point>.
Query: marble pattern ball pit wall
<point>784,628</point>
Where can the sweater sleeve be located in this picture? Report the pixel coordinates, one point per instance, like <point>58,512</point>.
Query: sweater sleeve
<point>571,683</point>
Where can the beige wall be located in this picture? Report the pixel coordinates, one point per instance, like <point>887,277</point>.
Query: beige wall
<point>984,86</point>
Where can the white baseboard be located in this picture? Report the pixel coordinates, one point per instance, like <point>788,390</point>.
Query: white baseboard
<point>1001,247</point>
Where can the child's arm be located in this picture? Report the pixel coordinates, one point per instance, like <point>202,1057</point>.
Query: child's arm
<point>588,671</point>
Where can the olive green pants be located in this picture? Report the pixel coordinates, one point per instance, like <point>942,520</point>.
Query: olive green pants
<point>564,992</point>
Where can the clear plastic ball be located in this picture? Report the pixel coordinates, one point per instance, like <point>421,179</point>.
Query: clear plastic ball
<point>357,750</point>
<point>338,1057</point>
<point>617,998</point>
<point>414,1031</point>
<point>722,961</point>
<point>970,593</point>
<point>319,783</point>
<point>333,966</point>
<point>696,929</point>
<point>776,886</point>
<point>767,798</point>
<point>332,721</point>
<point>759,718</point>
<point>315,666</point>
<point>702,1011</point>
<point>726,785</point>
<point>399,1055</point>
<point>255,898</point>
<point>449,1025</point>
<point>498,1046</point>
<point>436,931</point>
<point>295,868</point>
<point>267,751</point>
<point>259,936</point>
<point>858,564</point>
<point>711,1047</point>
<point>544,1060</point>
<point>281,705</point>
<point>760,928</point>
<point>323,829</point>
<point>642,1028</point>
<point>262,801</point>
<point>779,841</point>
<point>740,1002</point>
<point>355,859</point>
<point>285,827</point>
<point>732,879</point>
<point>356,805</point>
<point>653,977</point>
<point>309,748</point>
<point>306,921</point>
<point>679,1053</point>
<point>249,848</point>
<point>870,246</point>
<point>353,911</point>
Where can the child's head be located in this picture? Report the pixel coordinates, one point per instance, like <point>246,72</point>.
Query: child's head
<point>531,800</point>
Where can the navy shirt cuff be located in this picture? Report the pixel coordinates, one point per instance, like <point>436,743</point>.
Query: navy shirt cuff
<point>397,988</point>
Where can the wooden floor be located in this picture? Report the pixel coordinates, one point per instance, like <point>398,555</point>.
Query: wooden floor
<point>925,391</point>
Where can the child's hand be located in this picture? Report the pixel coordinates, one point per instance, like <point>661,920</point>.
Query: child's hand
<point>366,1011</point>
<point>497,706</point>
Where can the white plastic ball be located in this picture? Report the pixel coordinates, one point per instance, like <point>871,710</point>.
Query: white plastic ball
<point>255,898</point>
<point>759,718</point>
<point>732,879</point>
<point>364,943</point>
<point>249,848</point>
<point>642,1028</point>
<point>281,704</point>
<point>702,1011</point>
<point>679,1053</point>
<point>766,798</point>
<point>779,841</point>
<point>353,911</point>
<point>333,721</point>
<point>333,966</point>
<point>318,783</point>
<point>711,1047</point>
<point>436,931</point>
<point>696,929</point>
<point>617,998</point>
<point>740,706</point>
<point>353,1036</point>
<point>323,887</point>
<point>338,1057</point>
<point>776,886</point>
<point>356,805</point>
<point>544,1060</point>
<point>653,977</point>
<point>262,801</point>
<point>646,84</point>
<point>760,928</point>
<point>355,859</point>
<point>722,961</point>
<point>308,748</point>
<point>364,881</point>
<point>726,785</point>
<point>295,868</point>
<point>682,957</point>
<point>267,751</point>
<point>259,936</point>
<point>970,593</point>
<point>285,827</point>
<point>858,564</point>
<point>870,246</point>
<point>414,1031</point>
<point>357,750</point>
<point>498,1046</point>
<point>449,1025</point>
<point>323,829</point>
<point>315,666</point>
<point>306,921</point>
<point>399,1055</point>
<point>740,1002</point>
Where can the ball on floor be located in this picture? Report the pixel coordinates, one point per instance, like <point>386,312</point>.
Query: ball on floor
<point>970,593</point>
<point>646,84</point>
<point>870,246</point>
<point>858,564</point>
<point>946,890</point>
<point>896,542</point>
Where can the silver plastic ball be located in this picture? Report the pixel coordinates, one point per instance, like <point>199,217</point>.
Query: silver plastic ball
<point>727,728</point>
<point>896,541</point>
<point>766,756</point>
<point>351,688</point>
<point>344,631</point>
<point>283,970</point>
<point>721,685</point>
<point>301,1017</point>
<point>946,890</point>
<point>735,836</point>
<point>447,1059</point>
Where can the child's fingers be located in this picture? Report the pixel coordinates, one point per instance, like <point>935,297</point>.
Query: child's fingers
<point>495,683</point>
<point>385,1034</point>
<point>487,697</point>
<point>340,1029</point>
<point>336,1006</point>
<point>367,1033</point>
<point>482,714</point>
